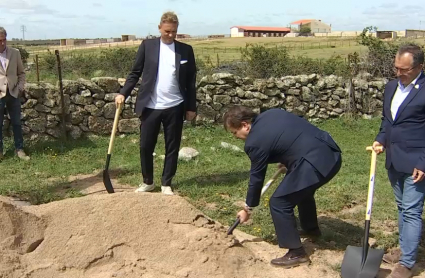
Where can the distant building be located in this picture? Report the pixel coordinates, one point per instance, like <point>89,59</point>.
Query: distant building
<point>258,31</point>
<point>183,36</point>
<point>316,26</point>
<point>125,38</point>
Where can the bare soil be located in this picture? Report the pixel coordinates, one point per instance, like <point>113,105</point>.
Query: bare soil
<point>129,234</point>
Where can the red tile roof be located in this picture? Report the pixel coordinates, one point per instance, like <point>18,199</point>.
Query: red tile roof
<point>260,28</point>
<point>302,21</point>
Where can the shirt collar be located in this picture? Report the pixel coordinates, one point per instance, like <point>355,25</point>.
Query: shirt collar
<point>411,83</point>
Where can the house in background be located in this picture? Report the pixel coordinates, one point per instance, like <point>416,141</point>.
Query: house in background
<point>316,26</point>
<point>258,31</point>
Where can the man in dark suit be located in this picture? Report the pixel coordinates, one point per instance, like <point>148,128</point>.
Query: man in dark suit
<point>167,95</point>
<point>402,134</point>
<point>311,157</point>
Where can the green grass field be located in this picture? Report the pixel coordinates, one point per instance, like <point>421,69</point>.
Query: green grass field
<point>216,181</point>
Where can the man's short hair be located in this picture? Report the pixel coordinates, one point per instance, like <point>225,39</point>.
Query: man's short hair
<point>3,31</point>
<point>237,114</point>
<point>416,51</point>
<point>169,17</point>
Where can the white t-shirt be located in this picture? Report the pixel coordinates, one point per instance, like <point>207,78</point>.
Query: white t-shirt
<point>166,93</point>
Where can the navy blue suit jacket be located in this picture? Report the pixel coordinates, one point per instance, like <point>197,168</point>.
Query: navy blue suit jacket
<point>404,137</point>
<point>146,63</point>
<point>279,136</point>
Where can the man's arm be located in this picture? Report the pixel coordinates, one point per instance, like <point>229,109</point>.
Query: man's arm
<point>257,175</point>
<point>135,73</point>
<point>384,121</point>
<point>21,73</point>
<point>191,81</point>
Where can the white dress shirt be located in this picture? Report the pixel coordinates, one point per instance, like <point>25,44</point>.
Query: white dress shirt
<point>400,95</point>
<point>3,58</point>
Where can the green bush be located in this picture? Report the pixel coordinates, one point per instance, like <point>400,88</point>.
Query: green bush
<point>24,54</point>
<point>264,62</point>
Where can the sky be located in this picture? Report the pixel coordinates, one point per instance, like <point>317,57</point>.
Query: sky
<point>55,19</point>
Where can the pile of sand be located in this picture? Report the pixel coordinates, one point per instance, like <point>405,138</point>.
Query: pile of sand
<point>134,235</point>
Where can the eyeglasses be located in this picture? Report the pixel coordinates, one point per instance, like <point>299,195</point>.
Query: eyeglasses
<point>396,69</point>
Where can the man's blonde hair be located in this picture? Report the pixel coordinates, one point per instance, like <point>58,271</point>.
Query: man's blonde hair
<point>169,17</point>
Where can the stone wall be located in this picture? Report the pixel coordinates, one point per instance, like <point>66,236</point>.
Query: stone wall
<point>90,107</point>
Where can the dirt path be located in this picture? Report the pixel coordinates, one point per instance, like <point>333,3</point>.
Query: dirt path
<point>136,235</point>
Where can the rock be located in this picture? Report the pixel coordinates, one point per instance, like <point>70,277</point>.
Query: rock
<point>85,93</point>
<point>79,99</point>
<point>187,153</point>
<point>109,110</point>
<point>129,125</point>
<point>306,94</point>
<point>255,95</point>
<point>252,102</point>
<point>295,92</point>
<point>331,81</point>
<point>93,110</point>
<point>110,97</point>
<point>223,99</point>
<point>30,103</point>
<point>100,125</point>
<point>75,132</point>
<point>36,125</point>
<point>121,81</point>
<point>231,147</point>
<point>42,108</point>
<point>108,84</point>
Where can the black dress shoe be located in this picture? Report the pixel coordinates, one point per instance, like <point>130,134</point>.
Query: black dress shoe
<point>291,260</point>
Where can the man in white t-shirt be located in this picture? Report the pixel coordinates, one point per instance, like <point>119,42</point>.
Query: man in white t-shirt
<point>167,96</point>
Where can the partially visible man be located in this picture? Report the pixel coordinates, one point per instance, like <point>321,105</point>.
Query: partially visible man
<point>167,95</point>
<point>312,159</point>
<point>12,80</point>
<point>402,134</point>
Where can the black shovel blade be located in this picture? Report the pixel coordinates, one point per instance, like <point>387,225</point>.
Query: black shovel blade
<point>106,179</point>
<point>354,267</point>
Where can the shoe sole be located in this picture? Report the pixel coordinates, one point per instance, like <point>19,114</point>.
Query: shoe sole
<point>147,190</point>
<point>291,266</point>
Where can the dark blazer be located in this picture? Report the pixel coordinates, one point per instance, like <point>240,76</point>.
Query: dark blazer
<point>309,153</point>
<point>404,138</point>
<point>146,63</point>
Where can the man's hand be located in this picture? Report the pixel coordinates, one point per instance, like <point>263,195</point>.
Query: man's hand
<point>119,99</point>
<point>281,166</point>
<point>190,115</point>
<point>377,147</point>
<point>243,216</point>
<point>418,175</point>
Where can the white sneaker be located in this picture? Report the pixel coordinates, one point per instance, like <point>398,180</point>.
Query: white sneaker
<point>145,187</point>
<point>166,190</point>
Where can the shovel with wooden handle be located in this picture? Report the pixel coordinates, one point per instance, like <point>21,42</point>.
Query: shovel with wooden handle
<point>264,189</point>
<point>106,179</point>
<point>363,262</point>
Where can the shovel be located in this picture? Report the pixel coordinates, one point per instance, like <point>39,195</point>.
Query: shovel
<point>264,189</point>
<point>362,262</point>
<point>106,179</point>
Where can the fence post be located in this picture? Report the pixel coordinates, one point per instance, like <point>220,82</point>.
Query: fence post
<point>61,94</point>
<point>37,69</point>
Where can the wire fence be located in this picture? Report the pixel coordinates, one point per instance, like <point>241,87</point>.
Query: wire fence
<point>116,59</point>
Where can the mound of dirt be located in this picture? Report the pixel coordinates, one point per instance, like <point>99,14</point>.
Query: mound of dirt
<point>134,235</point>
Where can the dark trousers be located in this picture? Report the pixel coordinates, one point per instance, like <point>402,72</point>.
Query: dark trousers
<point>13,106</point>
<point>172,121</point>
<point>282,211</point>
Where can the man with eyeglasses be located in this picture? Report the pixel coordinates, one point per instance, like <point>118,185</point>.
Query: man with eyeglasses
<point>402,134</point>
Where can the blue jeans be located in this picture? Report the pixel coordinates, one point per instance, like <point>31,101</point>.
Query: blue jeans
<point>409,197</point>
<point>13,106</point>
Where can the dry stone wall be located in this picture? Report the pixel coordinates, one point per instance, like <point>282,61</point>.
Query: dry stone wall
<point>90,107</point>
